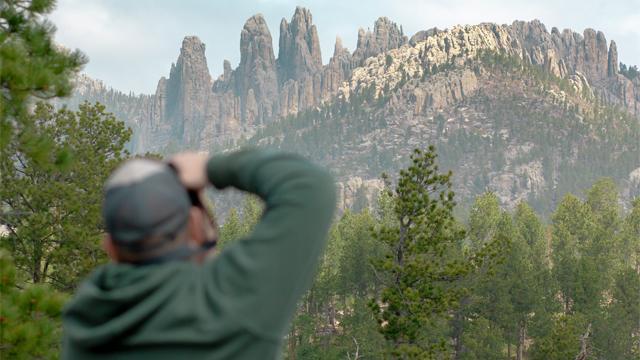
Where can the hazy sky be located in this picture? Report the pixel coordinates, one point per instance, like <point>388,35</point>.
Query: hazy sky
<point>132,43</point>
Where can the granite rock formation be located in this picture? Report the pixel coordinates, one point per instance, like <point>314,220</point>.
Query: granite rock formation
<point>564,55</point>
<point>190,110</point>
<point>386,35</point>
<point>299,47</point>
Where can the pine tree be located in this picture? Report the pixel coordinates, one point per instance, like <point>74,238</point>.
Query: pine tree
<point>30,317</point>
<point>238,225</point>
<point>573,227</point>
<point>423,265</point>
<point>53,213</point>
<point>32,67</point>
<point>535,292</point>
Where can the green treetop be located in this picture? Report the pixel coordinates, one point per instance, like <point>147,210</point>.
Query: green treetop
<point>53,213</point>
<point>32,67</point>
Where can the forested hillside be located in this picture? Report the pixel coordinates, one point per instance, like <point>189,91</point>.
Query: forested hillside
<point>500,285</point>
<point>519,131</point>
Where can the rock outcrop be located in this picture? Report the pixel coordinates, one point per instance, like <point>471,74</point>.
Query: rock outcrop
<point>423,35</point>
<point>356,192</point>
<point>299,47</point>
<point>386,35</point>
<point>186,91</point>
<point>337,71</point>
<point>584,60</point>
<point>612,61</point>
<point>190,110</point>
<point>256,76</point>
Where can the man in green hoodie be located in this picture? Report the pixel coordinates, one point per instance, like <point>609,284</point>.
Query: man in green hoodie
<point>164,296</point>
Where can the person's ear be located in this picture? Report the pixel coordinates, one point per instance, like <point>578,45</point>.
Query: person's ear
<point>195,226</point>
<point>109,247</point>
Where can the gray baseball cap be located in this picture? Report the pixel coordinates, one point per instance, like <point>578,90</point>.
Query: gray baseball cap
<point>144,199</point>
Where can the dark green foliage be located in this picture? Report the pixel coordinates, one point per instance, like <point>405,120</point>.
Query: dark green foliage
<point>510,287</point>
<point>53,213</point>
<point>334,320</point>
<point>563,341</point>
<point>622,316</point>
<point>238,225</point>
<point>388,60</point>
<point>30,325</point>
<point>423,267</point>
<point>630,72</point>
<point>31,67</point>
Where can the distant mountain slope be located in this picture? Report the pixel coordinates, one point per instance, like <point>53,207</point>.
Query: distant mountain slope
<point>500,124</point>
<point>514,108</point>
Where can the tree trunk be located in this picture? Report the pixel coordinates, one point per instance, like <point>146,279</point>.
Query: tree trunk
<point>458,330</point>
<point>36,273</point>
<point>584,345</point>
<point>291,344</point>
<point>522,335</point>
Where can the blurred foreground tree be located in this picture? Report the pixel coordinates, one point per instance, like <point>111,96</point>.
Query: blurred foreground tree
<point>32,67</point>
<point>30,324</point>
<point>53,213</point>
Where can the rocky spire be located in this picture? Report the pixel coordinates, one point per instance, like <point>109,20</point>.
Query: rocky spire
<point>337,71</point>
<point>299,50</point>
<point>612,68</point>
<point>340,61</point>
<point>256,74</point>
<point>187,88</point>
<point>596,54</point>
<point>225,81</point>
<point>339,50</point>
<point>226,66</point>
<point>386,35</point>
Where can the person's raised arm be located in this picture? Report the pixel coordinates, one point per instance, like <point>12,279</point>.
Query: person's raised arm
<point>264,275</point>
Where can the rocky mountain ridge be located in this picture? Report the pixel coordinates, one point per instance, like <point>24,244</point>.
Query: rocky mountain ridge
<point>431,88</point>
<point>500,124</point>
<point>584,60</point>
<point>190,109</point>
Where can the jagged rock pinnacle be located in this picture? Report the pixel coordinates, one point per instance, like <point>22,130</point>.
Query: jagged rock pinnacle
<point>299,47</point>
<point>612,68</point>
<point>257,70</point>
<point>386,35</point>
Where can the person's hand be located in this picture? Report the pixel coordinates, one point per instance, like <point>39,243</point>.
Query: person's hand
<point>191,168</point>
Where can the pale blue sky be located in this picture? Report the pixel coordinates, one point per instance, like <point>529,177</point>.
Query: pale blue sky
<point>132,43</point>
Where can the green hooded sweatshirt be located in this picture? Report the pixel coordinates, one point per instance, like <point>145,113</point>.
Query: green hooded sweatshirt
<point>237,305</point>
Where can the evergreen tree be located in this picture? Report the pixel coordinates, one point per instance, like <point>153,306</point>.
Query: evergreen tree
<point>32,67</point>
<point>573,228</point>
<point>535,296</point>
<point>30,316</point>
<point>424,267</point>
<point>238,225</point>
<point>618,335</point>
<point>563,341</point>
<point>629,246</point>
<point>484,217</point>
<point>53,213</point>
